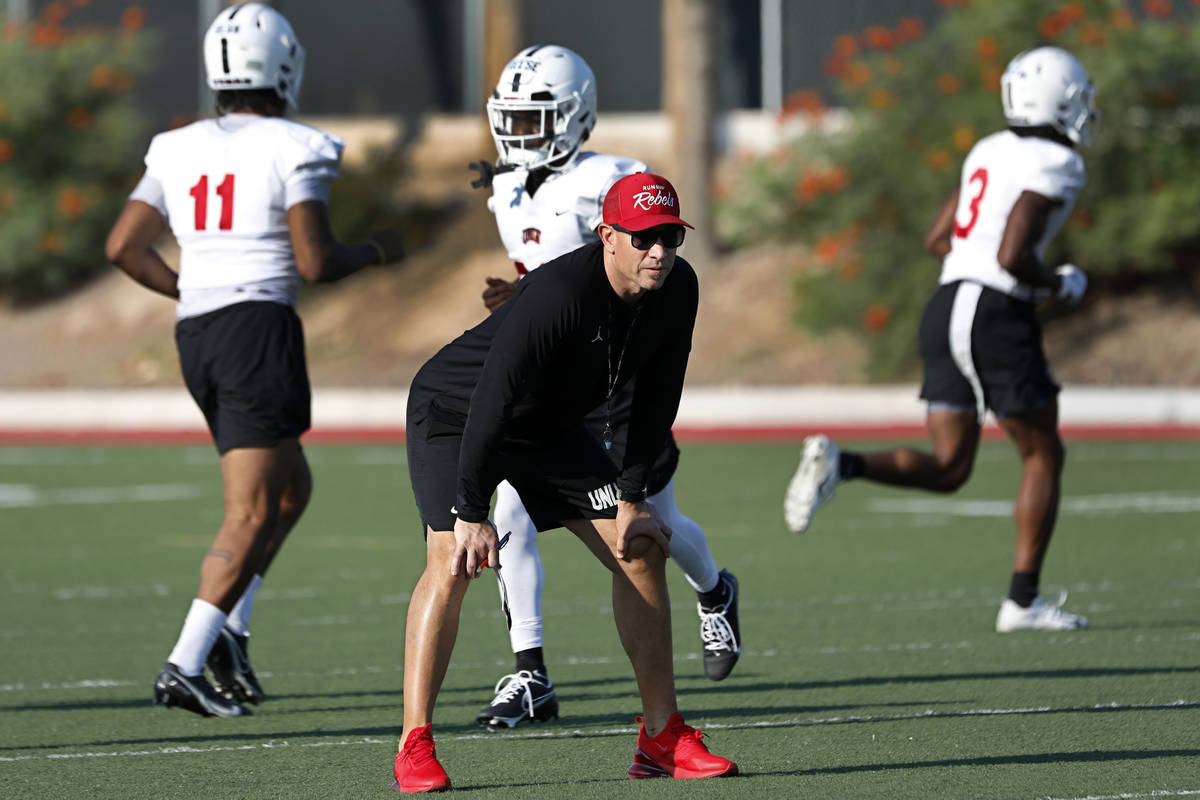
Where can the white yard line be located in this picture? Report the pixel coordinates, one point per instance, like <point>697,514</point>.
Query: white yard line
<point>574,733</point>
<point>87,683</point>
<point>19,495</point>
<point>1139,503</point>
<point>1133,795</point>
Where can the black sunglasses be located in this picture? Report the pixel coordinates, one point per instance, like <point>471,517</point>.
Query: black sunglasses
<point>671,236</point>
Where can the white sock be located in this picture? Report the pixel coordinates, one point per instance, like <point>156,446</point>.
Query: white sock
<point>239,618</point>
<point>689,545</point>
<point>521,568</point>
<point>200,629</point>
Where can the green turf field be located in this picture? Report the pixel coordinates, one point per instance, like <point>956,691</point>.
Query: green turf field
<point>870,669</point>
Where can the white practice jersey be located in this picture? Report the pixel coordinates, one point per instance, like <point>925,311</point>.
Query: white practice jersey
<point>996,171</point>
<point>224,186</point>
<point>564,212</point>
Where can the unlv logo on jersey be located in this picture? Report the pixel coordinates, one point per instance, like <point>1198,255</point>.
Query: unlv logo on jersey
<point>531,235</point>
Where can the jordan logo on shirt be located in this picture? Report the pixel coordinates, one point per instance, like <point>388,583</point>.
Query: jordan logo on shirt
<point>599,335</point>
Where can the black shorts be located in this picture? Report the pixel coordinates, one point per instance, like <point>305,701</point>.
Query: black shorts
<point>244,365</point>
<point>568,476</point>
<point>982,349</point>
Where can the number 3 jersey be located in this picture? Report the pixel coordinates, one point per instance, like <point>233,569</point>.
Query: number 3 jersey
<point>224,186</point>
<point>996,171</point>
<point>564,212</point>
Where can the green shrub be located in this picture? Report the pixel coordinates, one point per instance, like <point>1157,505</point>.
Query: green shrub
<point>864,194</point>
<point>69,146</point>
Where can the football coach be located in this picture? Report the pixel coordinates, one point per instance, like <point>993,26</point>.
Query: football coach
<point>507,400</point>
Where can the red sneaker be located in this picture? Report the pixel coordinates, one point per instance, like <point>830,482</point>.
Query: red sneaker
<point>417,768</point>
<point>677,752</point>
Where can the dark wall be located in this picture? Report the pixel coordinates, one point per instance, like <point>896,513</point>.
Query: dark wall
<point>622,41</point>
<point>372,57</point>
<point>406,56</point>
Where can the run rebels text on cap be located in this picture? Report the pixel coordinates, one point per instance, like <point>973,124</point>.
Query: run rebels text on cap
<point>640,201</point>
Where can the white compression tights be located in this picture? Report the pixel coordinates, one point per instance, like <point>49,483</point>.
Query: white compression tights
<point>524,577</point>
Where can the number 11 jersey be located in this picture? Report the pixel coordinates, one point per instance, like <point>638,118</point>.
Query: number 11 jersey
<point>224,186</point>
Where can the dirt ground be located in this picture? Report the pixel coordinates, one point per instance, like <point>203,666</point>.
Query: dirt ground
<point>376,328</point>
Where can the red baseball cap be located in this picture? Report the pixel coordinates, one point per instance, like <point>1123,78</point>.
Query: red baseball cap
<point>640,201</point>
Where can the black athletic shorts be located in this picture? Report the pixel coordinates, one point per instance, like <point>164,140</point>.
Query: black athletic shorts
<point>982,349</point>
<point>567,476</point>
<point>244,365</point>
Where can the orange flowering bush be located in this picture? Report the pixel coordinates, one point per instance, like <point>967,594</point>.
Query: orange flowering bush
<point>917,99</point>
<point>70,144</point>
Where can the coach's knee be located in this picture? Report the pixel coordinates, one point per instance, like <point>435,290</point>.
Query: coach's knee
<point>643,556</point>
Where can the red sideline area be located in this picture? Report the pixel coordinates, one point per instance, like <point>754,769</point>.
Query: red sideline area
<point>739,433</point>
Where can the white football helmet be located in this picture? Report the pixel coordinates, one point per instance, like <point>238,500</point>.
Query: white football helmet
<point>252,46</point>
<point>1048,86</point>
<point>543,108</point>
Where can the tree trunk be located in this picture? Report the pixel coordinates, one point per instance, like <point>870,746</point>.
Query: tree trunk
<point>689,97</point>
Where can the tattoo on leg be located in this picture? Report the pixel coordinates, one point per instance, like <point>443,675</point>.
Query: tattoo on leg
<point>221,553</point>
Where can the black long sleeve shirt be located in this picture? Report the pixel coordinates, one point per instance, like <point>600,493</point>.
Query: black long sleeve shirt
<point>556,350</point>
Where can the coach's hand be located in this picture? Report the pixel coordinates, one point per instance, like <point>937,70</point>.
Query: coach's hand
<point>635,520</point>
<point>475,546</point>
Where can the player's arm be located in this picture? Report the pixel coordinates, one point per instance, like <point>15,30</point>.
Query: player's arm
<point>130,246</point>
<point>320,257</point>
<point>1018,247</point>
<point>937,240</point>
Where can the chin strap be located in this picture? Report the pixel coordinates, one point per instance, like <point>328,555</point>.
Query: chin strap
<point>487,171</point>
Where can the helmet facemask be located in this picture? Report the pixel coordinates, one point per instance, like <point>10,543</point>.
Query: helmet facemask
<point>1080,120</point>
<point>539,132</point>
<point>542,108</point>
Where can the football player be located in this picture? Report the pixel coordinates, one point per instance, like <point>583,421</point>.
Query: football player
<point>245,195</point>
<point>547,196</point>
<point>980,340</point>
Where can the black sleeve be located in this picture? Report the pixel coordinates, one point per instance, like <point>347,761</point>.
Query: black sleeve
<point>540,316</point>
<point>660,383</point>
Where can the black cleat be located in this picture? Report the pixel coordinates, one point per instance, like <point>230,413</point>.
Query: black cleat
<point>230,665</point>
<point>524,696</point>
<point>719,632</point>
<point>174,689</point>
